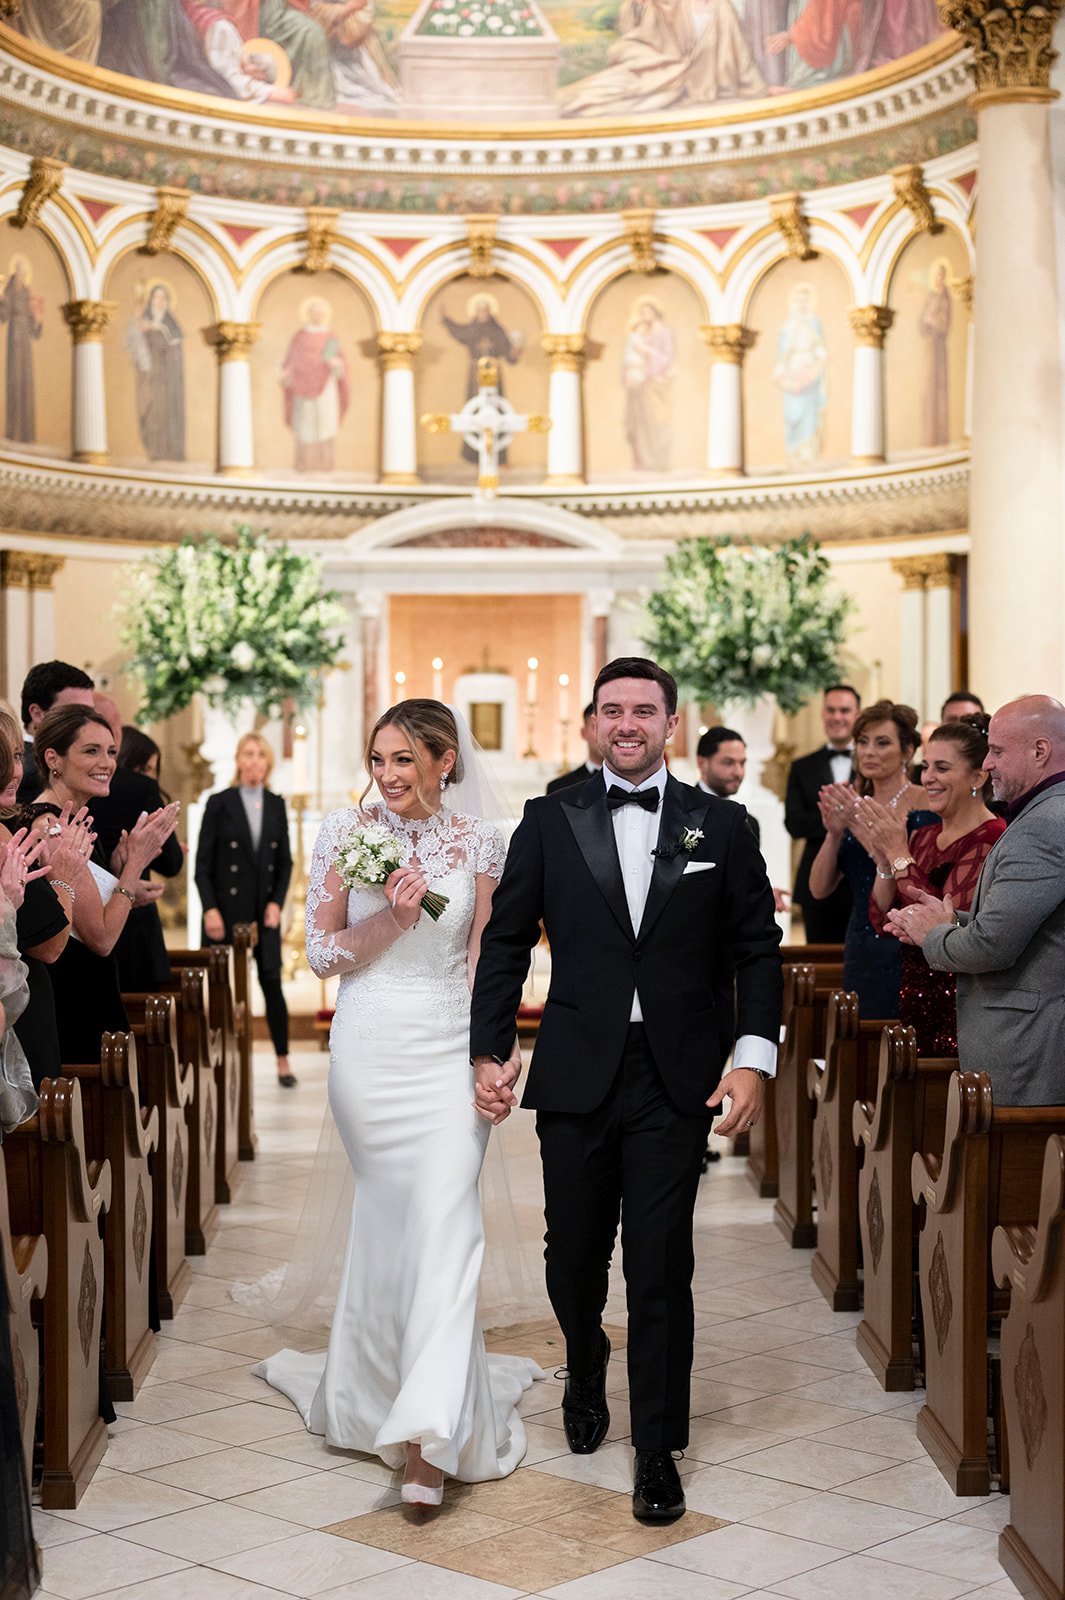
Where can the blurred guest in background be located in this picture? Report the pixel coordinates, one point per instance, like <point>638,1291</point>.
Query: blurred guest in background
<point>962,703</point>
<point>50,683</point>
<point>593,761</point>
<point>825,921</point>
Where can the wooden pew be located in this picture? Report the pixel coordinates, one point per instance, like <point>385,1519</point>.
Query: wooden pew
<point>807,990</point>
<point>988,1176</point>
<point>199,1051</point>
<point>52,1188</point>
<point>215,960</point>
<point>1030,1263</point>
<point>24,1263</point>
<point>168,1083</point>
<point>906,1112</point>
<point>245,938</point>
<point>762,1169</point>
<point>846,1073</point>
<point>121,1130</point>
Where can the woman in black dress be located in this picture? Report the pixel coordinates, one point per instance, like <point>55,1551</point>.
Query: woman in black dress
<point>143,963</point>
<point>243,866</point>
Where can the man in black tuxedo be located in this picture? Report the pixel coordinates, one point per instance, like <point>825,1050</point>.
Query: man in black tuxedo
<point>825,921</point>
<point>663,945</point>
<point>48,684</point>
<point>591,764</point>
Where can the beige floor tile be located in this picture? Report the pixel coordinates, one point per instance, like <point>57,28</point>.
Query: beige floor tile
<point>166,1402</point>
<point>733,1494</point>
<point>810,1316</point>
<point>417,1580</point>
<point>370,1469</point>
<point>914,1486</point>
<point>319,1500</point>
<point>883,1435</point>
<point>611,1522</point>
<point>194,1325</point>
<point>210,1532</point>
<point>423,1536</point>
<point>864,1575</point>
<point>175,1359</point>
<point>772,1374</point>
<point>193,1583</point>
<point>993,1514</point>
<point>99,1565</point>
<point>309,1564</point>
<point>713,1394</point>
<point>748,1555</point>
<point>147,1447</point>
<point>712,1441</point>
<point>838,1520</point>
<point>789,1415</point>
<point>226,1473</point>
<point>837,1352</point>
<point>948,1548</point>
<point>308,1449</point>
<point>49,1529</point>
<point>529,1559</point>
<point>858,1390</point>
<point>257,1343</point>
<point>609,1468</point>
<point>545,1444</point>
<point>647,1580</point>
<point>1003,1590</point>
<point>123,1499</point>
<point>743,1336</point>
<point>242,1423</point>
<point>531,1496</point>
<point>818,1466</point>
<point>238,1384</point>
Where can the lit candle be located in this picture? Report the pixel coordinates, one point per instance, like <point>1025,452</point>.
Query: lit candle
<point>300,770</point>
<point>438,678</point>
<point>530,687</point>
<point>400,680</point>
<point>563,696</point>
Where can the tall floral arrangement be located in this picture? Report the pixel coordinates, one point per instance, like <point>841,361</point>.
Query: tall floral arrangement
<point>237,622</point>
<point>736,621</point>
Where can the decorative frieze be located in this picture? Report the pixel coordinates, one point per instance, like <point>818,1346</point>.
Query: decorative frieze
<point>1012,45</point>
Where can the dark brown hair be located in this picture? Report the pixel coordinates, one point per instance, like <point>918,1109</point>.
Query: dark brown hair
<point>638,667</point>
<point>10,740</point>
<point>905,721</point>
<point>968,734</point>
<point>423,722</point>
<point>57,731</point>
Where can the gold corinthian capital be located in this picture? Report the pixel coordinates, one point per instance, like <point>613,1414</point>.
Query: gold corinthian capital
<point>88,319</point>
<point>728,342</point>
<point>232,341</point>
<point>565,351</point>
<point>1012,44</point>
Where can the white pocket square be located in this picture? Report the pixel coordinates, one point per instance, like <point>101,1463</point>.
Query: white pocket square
<point>699,866</point>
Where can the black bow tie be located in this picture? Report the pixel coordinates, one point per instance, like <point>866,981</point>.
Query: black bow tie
<point>647,798</point>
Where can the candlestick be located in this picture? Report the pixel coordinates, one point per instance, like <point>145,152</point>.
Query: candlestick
<point>300,770</point>
<point>530,684</point>
<point>563,696</point>
<point>400,680</point>
<point>438,678</point>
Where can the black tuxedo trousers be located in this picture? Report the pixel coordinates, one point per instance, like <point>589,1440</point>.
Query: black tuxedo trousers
<point>621,1107</point>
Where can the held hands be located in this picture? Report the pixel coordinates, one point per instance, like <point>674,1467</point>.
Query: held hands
<point>272,915</point>
<point>493,1091</point>
<point>912,924</point>
<point>747,1092</point>
<point>405,889</point>
<point>836,805</point>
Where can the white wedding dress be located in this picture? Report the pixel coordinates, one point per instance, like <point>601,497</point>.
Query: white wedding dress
<point>406,1358</point>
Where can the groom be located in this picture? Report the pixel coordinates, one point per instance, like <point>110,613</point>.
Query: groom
<point>663,945</point>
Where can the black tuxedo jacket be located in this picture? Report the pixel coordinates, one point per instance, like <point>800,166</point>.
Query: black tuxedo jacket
<point>234,878</point>
<point>697,930</point>
<point>130,794</point>
<point>802,819</point>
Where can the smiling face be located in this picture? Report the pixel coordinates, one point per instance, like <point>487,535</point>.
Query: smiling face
<point>632,726</point>
<point>85,772</point>
<point>8,796</point>
<point>406,773</point>
<point>253,763</point>
<point>949,777</point>
<point>838,713</point>
<point>723,771</point>
<point>877,752</point>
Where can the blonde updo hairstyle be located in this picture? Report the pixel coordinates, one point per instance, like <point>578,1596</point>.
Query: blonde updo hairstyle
<point>905,721</point>
<point>242,744</point>
<point>428,723</point>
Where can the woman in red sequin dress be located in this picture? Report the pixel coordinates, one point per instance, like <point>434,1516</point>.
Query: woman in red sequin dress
<point>941,858</point>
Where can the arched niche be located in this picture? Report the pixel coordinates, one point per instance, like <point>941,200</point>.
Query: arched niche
<point>464,319</point>
<point>798,376</point>
<point>35,343</point>
<point>314,376</point>
<point>925,352</point>
<point>161,377</point>
<point>647,379</point>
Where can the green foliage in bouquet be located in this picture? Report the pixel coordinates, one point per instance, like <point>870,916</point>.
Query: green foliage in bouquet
<point>735,621</point>
<point>237,622</point>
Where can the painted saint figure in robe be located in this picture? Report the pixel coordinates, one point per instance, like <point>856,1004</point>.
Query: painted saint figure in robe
<point>827,39</point>
<point>156,346</point>
<point>800,372</point>
<point>483,335</point>
<point>646,363</point>
<point>316,387</point>
<point>934,323</point>
<point>23,312</point>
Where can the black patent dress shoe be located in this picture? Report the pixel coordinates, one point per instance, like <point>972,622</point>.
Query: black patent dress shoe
<point>287,1080</point>
<point>585,1416</point>
<point>656,1492</point>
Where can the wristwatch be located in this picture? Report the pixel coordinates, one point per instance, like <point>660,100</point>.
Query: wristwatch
<point>900,863</point>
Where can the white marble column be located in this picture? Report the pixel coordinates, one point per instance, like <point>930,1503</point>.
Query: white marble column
<point>399,424</point>
<point>1017,559</point>
<point>232,343</point>
<point>926,668</point>
<point>87,320</point>
<point>565,442</point>
<point>728,344</point>
<point>963,290</point>
<point>910,689</point>
<point>870,325</point>
<point>27,616</point>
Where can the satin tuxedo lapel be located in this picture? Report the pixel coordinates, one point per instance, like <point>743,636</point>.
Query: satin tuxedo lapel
<point>240,820</point>
<point>593,830</point>
<point>669,869</point>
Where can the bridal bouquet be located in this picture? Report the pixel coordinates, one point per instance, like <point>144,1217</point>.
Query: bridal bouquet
<point>369,854</point>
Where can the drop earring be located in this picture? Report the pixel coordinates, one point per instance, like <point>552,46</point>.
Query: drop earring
<point>443,782</point>
<point>974,791</point>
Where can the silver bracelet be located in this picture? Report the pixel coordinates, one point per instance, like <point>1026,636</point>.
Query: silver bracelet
<point>130,896</point>
<point>61,883</point>
<point>889,876</point>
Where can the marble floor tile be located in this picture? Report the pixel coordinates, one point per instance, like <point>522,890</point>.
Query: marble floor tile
<point>859,1390</point>
<point>949,1548</point>
<point>811,1316</point>
<point>407,1532</point>
<point>710,1440</point>
<point>743,1336</point>
<point>165,1402</point>
<point>789,1415</point>
<point>883,1435</point>
<point>193,1583</point>
<point>195,1325</point>
<point>146,1447</point>
<point>609,1468</point>
<point>731,1493</point>
<point>309,1564</point>
<point>837,1351</point>
<point>838,1520</point>
<point>49,1529</point>
<point>308,1449</point>
<point>865,1575</point>
<point>239,1384</point>
<point>210,1532</point>
<point>417,1580</point>
<point>177,1359</point>
<point>994,1513</point>
<point>317,1501</point>
<point>99,1565</point>
<point>642,1580</point>
<point>611,1523</point>
<point>227,1473</point>
<point>772,1374</point>
<point>123,1499</point>
<point>748,1555</point>
<point>914,1486</point>
<point>243,1423</point>
<point>530,1558</point>
<point>817,1466</point>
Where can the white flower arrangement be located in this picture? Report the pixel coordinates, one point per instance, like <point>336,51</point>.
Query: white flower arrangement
<point>735,621</point>
<point>484,20</point>
<point>692,838</point>
<point>369,855</point>
<point>236,622</point>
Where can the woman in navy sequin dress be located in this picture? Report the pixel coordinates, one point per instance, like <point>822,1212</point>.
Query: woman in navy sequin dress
<point>945,858</point>
<point>885,740</point>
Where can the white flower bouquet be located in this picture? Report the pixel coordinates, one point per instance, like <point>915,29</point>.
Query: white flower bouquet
<point>480,19</point>
<point>237,621</point>
<point>735,621</point>
<point>369,855</point>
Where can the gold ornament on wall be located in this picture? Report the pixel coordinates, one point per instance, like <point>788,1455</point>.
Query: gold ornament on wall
<point>481,229</point>
<point>910,188</point>
<point>870,324</point>
<point>790,221</point>
<point>232,341</point>
<point>1012,45</point>
<point>21,570</point>
<point>9,9</point>
<point>397,350</point>
<point>728,342</point>
<point>565,351</point>
<point>171,208</point>
<point>321,236</point>
<point>639,225</point>
<point>45,179</point>
<point>88,319</point>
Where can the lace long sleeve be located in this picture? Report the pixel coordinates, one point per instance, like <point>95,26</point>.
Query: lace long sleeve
<point>333,948</point>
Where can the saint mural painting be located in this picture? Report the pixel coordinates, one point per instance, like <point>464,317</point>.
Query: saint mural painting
<point>22,312</point>
<point>155,344</point>
<point>575,58</point>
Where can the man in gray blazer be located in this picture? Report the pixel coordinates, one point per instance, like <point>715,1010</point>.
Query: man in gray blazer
<point>1009,950</point>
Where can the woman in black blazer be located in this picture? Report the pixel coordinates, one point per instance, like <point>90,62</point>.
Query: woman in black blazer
<point>243,866</point>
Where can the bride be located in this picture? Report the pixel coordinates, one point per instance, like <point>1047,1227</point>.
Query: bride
<point>406,1375</point>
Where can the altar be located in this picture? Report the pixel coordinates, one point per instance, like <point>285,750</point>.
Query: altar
<point>498,59</point>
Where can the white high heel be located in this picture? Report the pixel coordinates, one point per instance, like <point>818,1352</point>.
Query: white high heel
<point>412,1492</point>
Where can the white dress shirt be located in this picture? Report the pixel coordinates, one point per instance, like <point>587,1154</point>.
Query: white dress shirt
<point>842,763</point>
<point>636,836</point>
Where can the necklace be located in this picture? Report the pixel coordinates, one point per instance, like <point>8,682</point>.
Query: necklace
<point>893,802</point>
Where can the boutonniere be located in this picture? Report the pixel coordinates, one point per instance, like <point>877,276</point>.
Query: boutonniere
<point>688,841</point>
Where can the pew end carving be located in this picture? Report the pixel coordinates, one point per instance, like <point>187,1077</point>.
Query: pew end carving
<point>24,1263</point>
<point>807,989</point>
<point>168,1083</point>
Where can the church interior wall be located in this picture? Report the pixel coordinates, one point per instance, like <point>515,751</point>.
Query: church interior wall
<point>38,378</point>
<point>925,354</point>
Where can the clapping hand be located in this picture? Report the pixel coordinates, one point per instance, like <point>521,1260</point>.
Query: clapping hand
<point>912,924</point>
<point>69,843</point>
<point>879,830</point>
<point>146,838</point>
<point>836,804</point>
<point>17,864</point>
